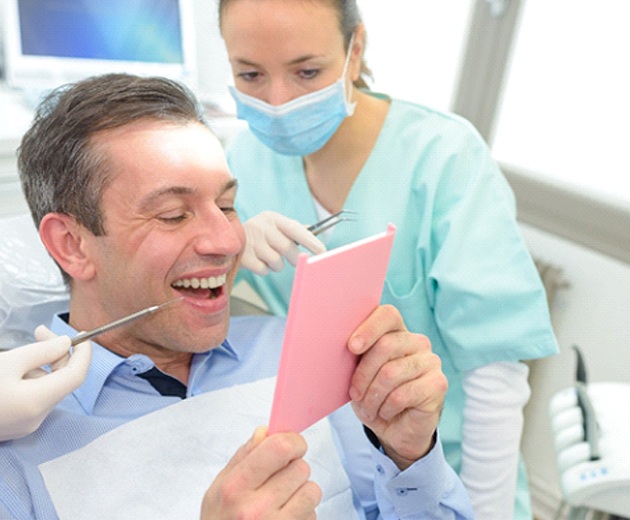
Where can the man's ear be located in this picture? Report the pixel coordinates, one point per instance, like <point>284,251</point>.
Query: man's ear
<point>65,240</point>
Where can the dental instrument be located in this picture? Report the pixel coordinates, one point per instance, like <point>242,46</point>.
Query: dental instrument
<point>83,336</point>
<point>328,222</point>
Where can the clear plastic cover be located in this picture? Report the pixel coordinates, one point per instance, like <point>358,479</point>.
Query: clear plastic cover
<point>31,286</point>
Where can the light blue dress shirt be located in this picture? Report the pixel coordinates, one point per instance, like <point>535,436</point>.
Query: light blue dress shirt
<point>113,394</point>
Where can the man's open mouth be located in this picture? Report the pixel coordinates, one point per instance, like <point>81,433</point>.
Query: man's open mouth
<point>203,288</point>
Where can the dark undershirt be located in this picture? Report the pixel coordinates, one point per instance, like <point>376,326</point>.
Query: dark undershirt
<point>164,383</point>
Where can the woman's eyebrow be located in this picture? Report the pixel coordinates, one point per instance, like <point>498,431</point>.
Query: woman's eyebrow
<point>296,61</point>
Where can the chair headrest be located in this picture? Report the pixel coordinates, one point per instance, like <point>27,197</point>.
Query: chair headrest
<point>31,286</point>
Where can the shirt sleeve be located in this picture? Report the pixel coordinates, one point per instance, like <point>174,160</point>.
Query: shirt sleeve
<point>493,423</point>
<point>427,489</point>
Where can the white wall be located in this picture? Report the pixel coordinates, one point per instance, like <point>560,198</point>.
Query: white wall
<point>593,314</point>
<point>213,68</point>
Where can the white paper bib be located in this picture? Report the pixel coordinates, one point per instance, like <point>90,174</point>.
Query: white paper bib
<point>160,465</point>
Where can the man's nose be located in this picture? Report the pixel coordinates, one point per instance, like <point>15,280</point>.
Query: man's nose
<point>219,235</point>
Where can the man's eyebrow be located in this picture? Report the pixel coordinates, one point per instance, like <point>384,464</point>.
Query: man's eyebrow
<point>156,195</point>
<point>232,184</point>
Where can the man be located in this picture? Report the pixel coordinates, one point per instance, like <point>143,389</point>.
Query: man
<point>133,199</point>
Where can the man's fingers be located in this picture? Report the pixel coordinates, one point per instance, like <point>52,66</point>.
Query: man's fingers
<point>268,474</point>
<point>392,359</point>
<point>384,379</point>
<point>425,394</point>
<point>258,436</point>
<point>384,320</point>
<point>279,489</point>
<point>303,502</point>
<point>262,456</point>
<point>271,455</point>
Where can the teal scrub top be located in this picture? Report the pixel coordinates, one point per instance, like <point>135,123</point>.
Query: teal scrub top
<point>459,273</point>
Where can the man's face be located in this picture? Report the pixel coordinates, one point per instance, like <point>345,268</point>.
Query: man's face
<point>170,230</point>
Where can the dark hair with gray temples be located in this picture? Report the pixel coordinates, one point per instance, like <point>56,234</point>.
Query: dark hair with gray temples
<point>60,169</point>
<point>349,18</point>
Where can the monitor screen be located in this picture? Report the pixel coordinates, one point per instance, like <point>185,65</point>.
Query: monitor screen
<point>51,42</point>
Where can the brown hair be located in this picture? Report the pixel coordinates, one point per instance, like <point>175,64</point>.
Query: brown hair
<point>60,170</point>
<point>349,18</point>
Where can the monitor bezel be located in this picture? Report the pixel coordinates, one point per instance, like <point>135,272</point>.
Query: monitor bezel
<point>29,72</point>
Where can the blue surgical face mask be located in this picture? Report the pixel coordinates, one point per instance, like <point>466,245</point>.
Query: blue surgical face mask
<point>300,126</point>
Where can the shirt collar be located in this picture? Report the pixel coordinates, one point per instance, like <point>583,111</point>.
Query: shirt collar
<point>104,362</point>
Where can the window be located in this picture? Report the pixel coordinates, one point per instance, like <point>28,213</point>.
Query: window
<point>566,106</point>
<point>414,49</point>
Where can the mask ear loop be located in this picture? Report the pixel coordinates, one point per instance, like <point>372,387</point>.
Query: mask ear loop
<point>350,105</point>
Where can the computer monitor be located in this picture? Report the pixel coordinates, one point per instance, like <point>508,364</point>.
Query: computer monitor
<point>51,42</point>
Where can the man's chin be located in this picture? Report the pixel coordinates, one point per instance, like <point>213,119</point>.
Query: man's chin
<point>203,340</point>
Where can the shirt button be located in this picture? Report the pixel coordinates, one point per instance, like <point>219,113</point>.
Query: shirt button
<point>380,470</point>
<point>402,492</point>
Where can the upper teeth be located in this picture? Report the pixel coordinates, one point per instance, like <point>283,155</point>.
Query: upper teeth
<point>211,282</point>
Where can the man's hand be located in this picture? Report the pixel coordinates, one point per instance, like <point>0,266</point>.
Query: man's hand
<point>271,238</point>
<point>398,387</point>
<point>266,478</point>
<point>27,392</point>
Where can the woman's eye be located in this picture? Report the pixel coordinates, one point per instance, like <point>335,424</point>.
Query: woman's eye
<point>308,73</point>
<point>248,76</point>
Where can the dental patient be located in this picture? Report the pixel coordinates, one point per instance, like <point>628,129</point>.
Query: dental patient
<point>133,199</point>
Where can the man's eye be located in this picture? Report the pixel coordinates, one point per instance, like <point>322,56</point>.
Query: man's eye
<point>228,209</point>
<point>172,219</point>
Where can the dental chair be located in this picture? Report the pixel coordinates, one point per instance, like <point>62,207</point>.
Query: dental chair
<point>31,286</point>
<point>591,430</point>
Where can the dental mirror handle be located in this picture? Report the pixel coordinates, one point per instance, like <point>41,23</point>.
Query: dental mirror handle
<point>83,336</point>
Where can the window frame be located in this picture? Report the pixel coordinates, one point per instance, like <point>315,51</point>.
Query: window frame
<point>546,204</point>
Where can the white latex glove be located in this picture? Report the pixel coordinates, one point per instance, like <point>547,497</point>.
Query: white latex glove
<point>27,392</point>
<point>271,237</point>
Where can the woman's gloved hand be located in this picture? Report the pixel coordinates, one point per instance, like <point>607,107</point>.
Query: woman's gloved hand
<point>28,392</point>
<point>271,237</point>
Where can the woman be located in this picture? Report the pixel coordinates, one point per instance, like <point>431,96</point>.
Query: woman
<point>319,141</point>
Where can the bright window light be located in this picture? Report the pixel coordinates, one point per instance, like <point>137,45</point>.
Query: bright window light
<point>414,48</point>
<point>566,106</point>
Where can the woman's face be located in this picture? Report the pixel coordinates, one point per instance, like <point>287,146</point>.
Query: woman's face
<point>280,50</point>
